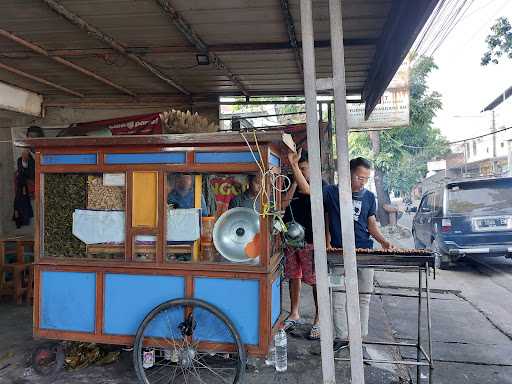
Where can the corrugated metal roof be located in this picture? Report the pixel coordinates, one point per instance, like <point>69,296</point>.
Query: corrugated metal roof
<point>143,27</point>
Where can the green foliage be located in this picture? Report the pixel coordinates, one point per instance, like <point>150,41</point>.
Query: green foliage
<point>404,152</point>
<point>278,108</point>
<point>499,42</point>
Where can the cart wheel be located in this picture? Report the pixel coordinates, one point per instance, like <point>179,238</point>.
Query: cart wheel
<point>48,358</point>
<point>188,341</point>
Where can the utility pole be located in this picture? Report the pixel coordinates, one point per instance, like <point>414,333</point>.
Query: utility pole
<point>317,204</point>
<point>510,157</point>
<point>493,130</point>
<point>466,154</point>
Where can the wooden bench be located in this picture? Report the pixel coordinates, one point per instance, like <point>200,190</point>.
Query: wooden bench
<point>16,272</point>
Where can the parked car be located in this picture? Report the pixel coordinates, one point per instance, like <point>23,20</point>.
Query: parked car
<point>467,217</point>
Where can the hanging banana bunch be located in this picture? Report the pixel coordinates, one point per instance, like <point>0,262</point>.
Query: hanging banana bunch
<point>186,122</point>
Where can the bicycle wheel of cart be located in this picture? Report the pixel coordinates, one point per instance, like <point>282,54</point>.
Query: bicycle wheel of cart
<point>188,341</point>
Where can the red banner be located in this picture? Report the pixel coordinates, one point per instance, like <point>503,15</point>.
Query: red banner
<point>149,124</point>
<point>224,189</point>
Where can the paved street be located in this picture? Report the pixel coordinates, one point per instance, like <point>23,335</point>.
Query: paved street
<point>471,317</point>
<point>471,329</point>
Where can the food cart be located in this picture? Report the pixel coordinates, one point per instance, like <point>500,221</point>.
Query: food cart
<point>117,261</point>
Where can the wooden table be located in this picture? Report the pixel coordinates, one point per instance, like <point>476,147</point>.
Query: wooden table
<point>423,262</point>
<point>21,268</point>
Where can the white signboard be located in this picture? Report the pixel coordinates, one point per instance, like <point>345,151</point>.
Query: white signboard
<point>393,109</point>
<point>438,165</point>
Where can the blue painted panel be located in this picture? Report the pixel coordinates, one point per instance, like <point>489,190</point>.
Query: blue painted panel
<point>129,298</point>
<point>276,299</point>
<point>146,158</point>
<point>166,324</point>
<point>225,157</point>
<point>75,159</point>
<point>238,299</point>
<point>274,160</point>
<point>68,301</point>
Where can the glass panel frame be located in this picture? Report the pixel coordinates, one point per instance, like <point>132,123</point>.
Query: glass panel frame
<point>219,190</point>
<point>84,200</point>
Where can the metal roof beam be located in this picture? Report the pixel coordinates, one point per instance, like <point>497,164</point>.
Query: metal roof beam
<point>292,36</point>
<point>299,92</point>
<point>159,100</point>
<point>103,37</point>
<point>405,21</point>
<point>261,46</point>
<point>36,48</point>
<point>39,80</point>
<point>153,101</point>
<point>187,31</point>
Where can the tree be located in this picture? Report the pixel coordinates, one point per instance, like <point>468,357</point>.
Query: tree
<point>287,113</point>
<point>499,42</point>
<point>400,155</point>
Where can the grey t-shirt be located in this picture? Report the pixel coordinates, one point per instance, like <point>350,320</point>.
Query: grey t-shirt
<point>244,200</point>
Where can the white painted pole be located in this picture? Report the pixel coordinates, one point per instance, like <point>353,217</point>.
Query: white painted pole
<point>317,204</point>
<point>345,193</point>
<point>510,157</point>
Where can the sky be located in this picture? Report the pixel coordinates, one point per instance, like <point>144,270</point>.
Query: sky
<point>467,87</point>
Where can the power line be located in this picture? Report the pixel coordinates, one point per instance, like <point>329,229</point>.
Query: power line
<point>460,14</point>
<point>447,15</point>
<point>482,7</point>
<point>425,32</point>
<point>479,137</point>
<point>486,22</point>
<point>444,19</point>
<point>451,21</point>
<point>450,142</point>
<point>436,20</point>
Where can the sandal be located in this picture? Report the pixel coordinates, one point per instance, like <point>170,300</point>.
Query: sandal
<point>290,324</point>
<point>314,333</point>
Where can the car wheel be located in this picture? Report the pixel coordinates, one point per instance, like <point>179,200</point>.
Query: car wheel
<point>447,261</point>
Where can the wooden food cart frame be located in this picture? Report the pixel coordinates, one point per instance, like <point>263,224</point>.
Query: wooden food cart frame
<point>187,153</point>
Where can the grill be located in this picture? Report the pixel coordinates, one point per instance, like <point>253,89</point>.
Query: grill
<point>396,257</point>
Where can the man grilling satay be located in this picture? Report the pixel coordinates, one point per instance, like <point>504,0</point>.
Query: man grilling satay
<point>365,225</point>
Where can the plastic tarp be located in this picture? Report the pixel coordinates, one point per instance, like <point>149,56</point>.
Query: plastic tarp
<point>183,224</point>
<point>99,227</point>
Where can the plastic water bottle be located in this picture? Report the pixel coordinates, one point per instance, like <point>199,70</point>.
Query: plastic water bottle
<point>281,351</point>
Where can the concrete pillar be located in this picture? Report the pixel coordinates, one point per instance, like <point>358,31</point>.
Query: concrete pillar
<point>6,181</point>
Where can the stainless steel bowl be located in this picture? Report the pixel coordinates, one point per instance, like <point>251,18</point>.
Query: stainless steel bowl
<point>233,230</point>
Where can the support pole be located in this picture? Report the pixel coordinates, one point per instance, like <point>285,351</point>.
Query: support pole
<point>493,130</point>
<point>345,193</point>
<point>510,158</point>
<point>317,204</point>
<point>418,345</point>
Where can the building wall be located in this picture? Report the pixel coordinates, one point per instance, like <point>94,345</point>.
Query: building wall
<point>484,146</point>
